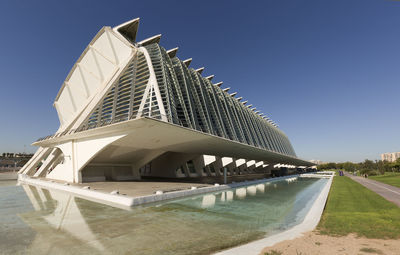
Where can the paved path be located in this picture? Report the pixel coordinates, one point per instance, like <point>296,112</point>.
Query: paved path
<point>5,176</point>
<point>389,192</point>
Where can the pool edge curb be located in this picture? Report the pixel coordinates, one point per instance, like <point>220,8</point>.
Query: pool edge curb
<point>127,202</point>
<point>309,223</point>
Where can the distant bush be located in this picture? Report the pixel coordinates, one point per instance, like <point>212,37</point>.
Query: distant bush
<point>370,172</point>
<point>373,172</point>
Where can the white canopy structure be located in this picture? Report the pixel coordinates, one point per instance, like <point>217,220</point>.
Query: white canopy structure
<point>129,110</point>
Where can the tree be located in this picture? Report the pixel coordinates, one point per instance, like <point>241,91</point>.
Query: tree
<point>368,164</point>
<point>349,166</point>
<point>395,165</point>
<point>327,166</point>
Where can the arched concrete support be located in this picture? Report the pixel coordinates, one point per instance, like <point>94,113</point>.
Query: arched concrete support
<point>251,165</point>
<point>54,154</point>
<point>167,163</point>
<point>269,167</point>
<point>30,167</point>
<point>209,170</point>
<point>220,163</point>
<point>217,165</point>
<point>231,167</point>
<point>145,160</point>
<point>201,162</point>
<point>241,165</point>
<point>77,155</point>
<point>259,167</point>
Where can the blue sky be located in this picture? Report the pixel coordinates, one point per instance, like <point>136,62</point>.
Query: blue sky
<point>328,72</point>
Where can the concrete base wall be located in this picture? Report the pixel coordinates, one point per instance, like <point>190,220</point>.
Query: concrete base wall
<point>95,173</point>
<point>174,165</point>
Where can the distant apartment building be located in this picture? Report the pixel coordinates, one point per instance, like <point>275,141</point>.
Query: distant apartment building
<point>316,161</point>
<point>390,156</point>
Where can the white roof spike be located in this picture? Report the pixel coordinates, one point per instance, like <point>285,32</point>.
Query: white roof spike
<point>210,77</point>
<point>226,89</point>
<point>253,109</point>
<point>187,62</point>
<point>218,84</point>
<point>245,102</point>
<point>200,70</point>
<point>172,52</point>
<point>128,29</point>
<point>151,40</point>
<point>233,94</point>
<point>239,98</point>
<point>257,112</point>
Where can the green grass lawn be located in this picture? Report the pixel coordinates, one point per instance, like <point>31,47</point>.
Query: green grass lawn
<point>388,178</point>
<point>352,208</point>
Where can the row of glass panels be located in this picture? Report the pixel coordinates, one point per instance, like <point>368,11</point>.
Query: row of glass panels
<point>189,100</point>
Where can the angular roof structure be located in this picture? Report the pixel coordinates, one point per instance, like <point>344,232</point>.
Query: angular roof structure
<point>131,106</point>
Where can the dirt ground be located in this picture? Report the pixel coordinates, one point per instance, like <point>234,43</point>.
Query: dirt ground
<point>312,243</point>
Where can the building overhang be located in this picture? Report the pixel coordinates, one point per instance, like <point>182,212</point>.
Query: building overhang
<point>153,134</point>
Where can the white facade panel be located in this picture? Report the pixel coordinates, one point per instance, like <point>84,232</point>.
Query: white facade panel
<point>77,83</point>
<point>103,45</point>
<point>122,50</point>
<point>89,63</point>
<point>64,106</point>
<point>91,81</point>
<point>91,73</point>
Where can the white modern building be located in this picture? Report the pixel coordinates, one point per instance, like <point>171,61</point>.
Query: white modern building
<point>131,109</point>
<point>390,156</point>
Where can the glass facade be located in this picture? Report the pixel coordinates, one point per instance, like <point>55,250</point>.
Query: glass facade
<point>188,99</point>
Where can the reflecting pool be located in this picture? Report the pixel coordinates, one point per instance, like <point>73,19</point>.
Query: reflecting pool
<point>41,221</point>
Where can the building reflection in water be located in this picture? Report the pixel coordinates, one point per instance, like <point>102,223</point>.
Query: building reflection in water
<point>64,224</point>
<point>252,190</point>
<point>260,188</point>
<point>60,211</point>
<point>208,201</point>
<point>241,193</point>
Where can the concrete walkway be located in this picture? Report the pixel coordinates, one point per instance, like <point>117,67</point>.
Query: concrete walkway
<point>388,192</point>
<point>6,176</point>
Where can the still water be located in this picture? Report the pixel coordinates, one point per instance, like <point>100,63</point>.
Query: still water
<point>41,221</point>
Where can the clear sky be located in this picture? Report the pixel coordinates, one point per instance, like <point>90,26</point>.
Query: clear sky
<point>328,72</point>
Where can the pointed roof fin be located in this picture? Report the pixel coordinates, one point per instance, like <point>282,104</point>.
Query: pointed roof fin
<point>187,62</point>
<point>128,29</point>
<point>200,70</point>
<point>210,77</point>
<point>218,84</point>
<point>172,52</point>
<point>151,40</point>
